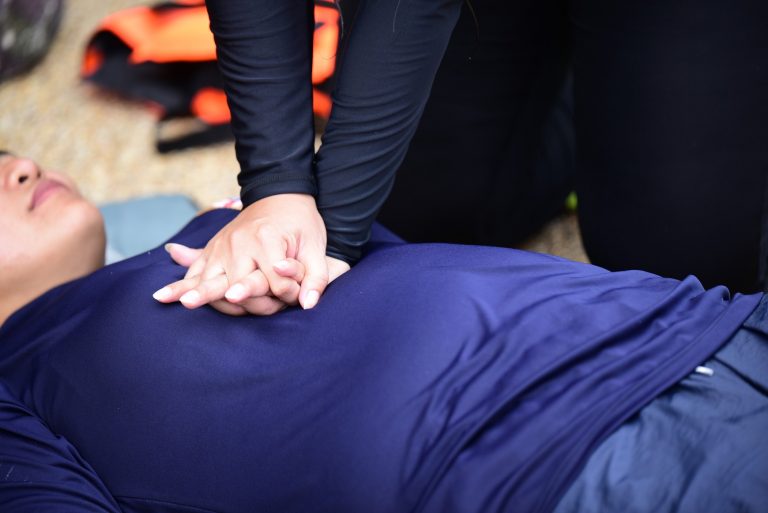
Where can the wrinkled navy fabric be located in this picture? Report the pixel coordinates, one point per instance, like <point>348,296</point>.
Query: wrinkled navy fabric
<point>430,378</point>
<point>698,447</point>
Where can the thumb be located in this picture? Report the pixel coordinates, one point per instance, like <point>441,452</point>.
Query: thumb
<point>315,280</point>
<point>182,254</point>
<point>336,268</point>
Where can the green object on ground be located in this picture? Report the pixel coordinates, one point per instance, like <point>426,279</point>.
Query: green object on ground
<point>572,202</point>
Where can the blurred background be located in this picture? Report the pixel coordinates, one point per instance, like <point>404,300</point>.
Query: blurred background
<point>108,144</point>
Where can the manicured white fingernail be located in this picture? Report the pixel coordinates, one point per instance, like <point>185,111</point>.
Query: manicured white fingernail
<point>311,299</point>
<point>236,292</point>
<point>282,265</point>
<point>192,297</point>
<point>162,294</point>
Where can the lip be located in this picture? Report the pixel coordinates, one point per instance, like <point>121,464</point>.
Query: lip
<point>44,190</point>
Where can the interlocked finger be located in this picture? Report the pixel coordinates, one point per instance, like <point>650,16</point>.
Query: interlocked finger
<point>254,284</point>
<point>264,305</point>
<point>228,308</point>
<point>267,254</point>
<point>290,268</point>
<point>183,255</point>
<point>197,267</point>
<point>175,290</point>
<point>206,291</point>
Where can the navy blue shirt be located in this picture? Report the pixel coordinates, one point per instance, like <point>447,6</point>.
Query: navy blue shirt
<point>431,378</point>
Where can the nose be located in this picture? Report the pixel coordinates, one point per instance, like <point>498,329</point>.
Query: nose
<point>21,172</point>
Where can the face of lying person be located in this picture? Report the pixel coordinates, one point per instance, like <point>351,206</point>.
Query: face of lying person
<point>49,233</point>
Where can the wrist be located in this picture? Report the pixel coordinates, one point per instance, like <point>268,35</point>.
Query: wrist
<point>277,185</point>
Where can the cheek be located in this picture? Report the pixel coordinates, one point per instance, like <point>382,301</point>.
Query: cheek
<point>60,225</point>
<point>24,258</point>
<point>78,228</point>
<point>19,239</point>
<point>70,243</point>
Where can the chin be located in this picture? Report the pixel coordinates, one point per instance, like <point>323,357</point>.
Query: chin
<point>84,244</point>
<point>94,235</point>
<point>65,245</point>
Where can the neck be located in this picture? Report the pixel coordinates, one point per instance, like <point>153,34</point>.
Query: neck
<point>14,300</point>
<point>16,294</point>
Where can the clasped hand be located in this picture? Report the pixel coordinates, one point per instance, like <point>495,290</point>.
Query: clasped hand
<point>270,256</point>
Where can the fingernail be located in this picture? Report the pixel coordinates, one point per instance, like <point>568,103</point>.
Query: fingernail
<point>162,294</point>
<point>191,297</point>
<point>282,265</point>
<point>311,299</point>
<point>168,247</point>
<point>236,292</point>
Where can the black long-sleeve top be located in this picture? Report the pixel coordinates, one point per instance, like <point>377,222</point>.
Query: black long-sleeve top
<point>390,59</point>
<point>264,52</point>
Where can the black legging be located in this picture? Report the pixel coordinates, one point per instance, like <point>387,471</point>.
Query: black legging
<point>667,141</point>
<point>493,157</point>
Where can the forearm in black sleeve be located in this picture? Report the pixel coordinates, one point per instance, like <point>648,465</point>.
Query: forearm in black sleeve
<point>389,63</point>
<point>264,52</point>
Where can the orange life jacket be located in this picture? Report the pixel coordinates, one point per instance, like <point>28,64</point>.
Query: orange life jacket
<point>165,55</point>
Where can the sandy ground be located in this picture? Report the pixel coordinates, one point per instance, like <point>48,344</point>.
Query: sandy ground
<point>108,145</point>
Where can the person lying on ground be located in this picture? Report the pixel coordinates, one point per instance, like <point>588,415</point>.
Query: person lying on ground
<point>431,378</point>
